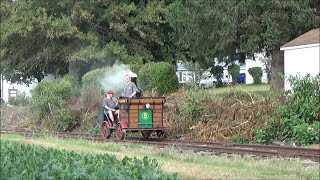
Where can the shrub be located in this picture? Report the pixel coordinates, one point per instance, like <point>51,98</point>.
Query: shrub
<point>217,71</point>
<point>256,73</point>
<point>192,109</point>
<point>161,76</point>
<point>234,70</point>
<point>298,118</point>
<point>48,101</point>
<point>64,119</point>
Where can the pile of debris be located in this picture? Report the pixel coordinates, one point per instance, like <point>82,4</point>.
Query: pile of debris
<point>238,114</point>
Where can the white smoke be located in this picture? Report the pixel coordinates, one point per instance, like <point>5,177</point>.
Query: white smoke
<point>114,80</point>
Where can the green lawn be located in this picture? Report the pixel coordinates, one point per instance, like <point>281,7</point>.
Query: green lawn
<point>259,91</point>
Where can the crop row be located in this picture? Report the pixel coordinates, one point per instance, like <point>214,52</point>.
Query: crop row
<point>21,161</point>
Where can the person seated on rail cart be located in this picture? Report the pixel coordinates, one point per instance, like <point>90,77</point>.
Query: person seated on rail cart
<point>130,89</point>
<point>110,107</point>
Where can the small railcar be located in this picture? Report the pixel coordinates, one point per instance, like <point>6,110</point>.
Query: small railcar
<point>143,114</point>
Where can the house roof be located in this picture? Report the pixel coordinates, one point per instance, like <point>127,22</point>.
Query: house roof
<point>311,37</point>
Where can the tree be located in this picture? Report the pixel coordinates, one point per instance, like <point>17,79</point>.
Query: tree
<point>256,73</point>
<point>235,29</point>
<point>60,36</point>
<point>36,38</point>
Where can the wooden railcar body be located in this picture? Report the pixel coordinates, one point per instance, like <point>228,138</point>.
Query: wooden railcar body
<point>144,114</point>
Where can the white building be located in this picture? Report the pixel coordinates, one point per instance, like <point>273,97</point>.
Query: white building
<point>187,75</point>
<point>254,63</point>
<point>301,56</point>
<point>184,74</point>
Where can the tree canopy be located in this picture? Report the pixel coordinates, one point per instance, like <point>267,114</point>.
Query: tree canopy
<point>48,37</point>
<point>43,37</point>
<point>235,29</point>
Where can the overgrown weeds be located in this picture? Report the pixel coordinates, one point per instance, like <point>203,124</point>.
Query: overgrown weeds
<point>298,118</point>
<point>214,118</point>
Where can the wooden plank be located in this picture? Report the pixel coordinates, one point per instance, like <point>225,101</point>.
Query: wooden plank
<point>158,106</point>
<point>123,101</point>
<point>133,120</point>
<point>148,100</point>
<point>137,107</point>
<point>157,111</point>
<point>133,125</point>
<point>133,106</point>
<point>133,115</point>
<point>157,125</point>
<point>157,120</point>
<point>133,111</point>
<point>157,115</point>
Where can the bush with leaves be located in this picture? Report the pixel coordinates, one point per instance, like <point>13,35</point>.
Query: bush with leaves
<point>298,119</point>
<point>217,71</point>
<point>256,73</point>
<point>234,70</point>
<point>48,103</point>
<point>161,76</point>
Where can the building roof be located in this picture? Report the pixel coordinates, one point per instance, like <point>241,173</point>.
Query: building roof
<point>311,37</point>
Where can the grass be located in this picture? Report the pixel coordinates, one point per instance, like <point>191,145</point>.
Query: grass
<point>188,165</point>
<point>257,91</point>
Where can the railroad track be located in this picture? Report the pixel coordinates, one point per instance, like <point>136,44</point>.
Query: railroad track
<point>312,154</point>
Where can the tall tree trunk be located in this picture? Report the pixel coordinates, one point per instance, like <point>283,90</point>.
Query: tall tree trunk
<point>277,68</point>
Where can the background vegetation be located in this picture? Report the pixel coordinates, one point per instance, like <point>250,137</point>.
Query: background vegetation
<point>77,36</point>
<point>82,40</point>
<point>160,76</point>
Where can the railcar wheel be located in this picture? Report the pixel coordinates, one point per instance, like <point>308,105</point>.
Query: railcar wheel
<point>121,133</point>
<point>145,134</point>
<point>161,134</point>
<point>106,131</point>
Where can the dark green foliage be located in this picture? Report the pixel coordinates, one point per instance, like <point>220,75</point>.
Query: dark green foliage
<point>298,119</point>
<point>33,162</point>
<point>192,109</point>
<point>48,101</point>
<point>217,71</point>
<point>256,73</point>
<point>234,72</point>
<point>36,43</point>
<point>161,76</point>
<point>232,30</point>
